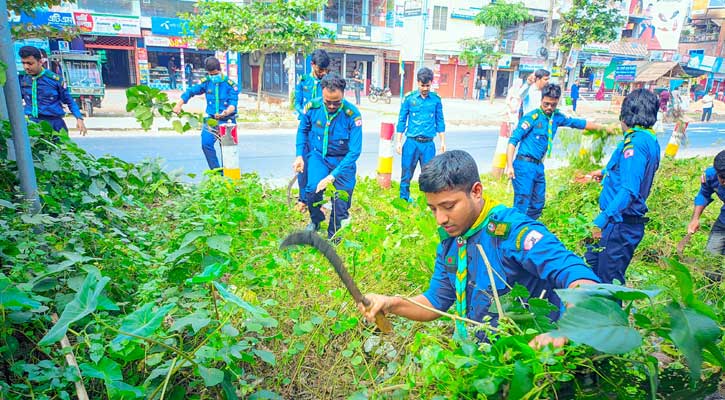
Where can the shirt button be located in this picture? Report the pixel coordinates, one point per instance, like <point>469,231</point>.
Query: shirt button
<point>318,138</point>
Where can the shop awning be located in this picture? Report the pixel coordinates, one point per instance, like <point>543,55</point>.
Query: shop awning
<point>653,71</point>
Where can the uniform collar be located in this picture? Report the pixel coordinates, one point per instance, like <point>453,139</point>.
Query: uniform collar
<point>488,205</point>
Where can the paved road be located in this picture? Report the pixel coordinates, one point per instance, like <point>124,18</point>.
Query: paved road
<point>271,153</point>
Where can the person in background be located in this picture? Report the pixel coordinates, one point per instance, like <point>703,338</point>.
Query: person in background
<point>664,100</point>
<point>171,67</point>
<point>189,72</point>
<point>711,182</point>
<point>44,93</point>
<point>708,101</point>
<point>465,82</point>
<point>574,95</point>
<point>222,97</point>
<point>478,89</point>
<point>420,119</point>
<point>357,85</point>
<point>626,184</point>
<point>484,87</point>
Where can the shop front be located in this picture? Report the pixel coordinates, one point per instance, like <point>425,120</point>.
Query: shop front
<point>188,62</point>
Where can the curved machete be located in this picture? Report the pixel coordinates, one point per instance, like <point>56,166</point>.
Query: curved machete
<point>310,238</point>
<point>289,189</point>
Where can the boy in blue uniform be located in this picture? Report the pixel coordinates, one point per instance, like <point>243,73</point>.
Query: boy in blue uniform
<point>712,182</point>
<point>420,118</point>
<point>519,249</point>
<point>626,184</point>
<point>44,93</point>
<point>307,89</point>
<point>222,96</point>
<point>535,136</point>
<point>331,127</point>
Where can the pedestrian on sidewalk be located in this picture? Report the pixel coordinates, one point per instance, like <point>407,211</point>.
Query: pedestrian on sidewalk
<point>478,87</point>
<point>574,94</point>
<point>307,89</point>
<point>626,184</point>
<point>420,119</point>
<point>535,137</point>
<point>357,84</point>
<point>44,93</point>
<point>189,72</point>
<point>484,87</point>
<point>708,101</point>
<point>465,81</point>
<point>712,182</point>
<point>171,67</point>
<point>222,96</point>
<point>331,128</point>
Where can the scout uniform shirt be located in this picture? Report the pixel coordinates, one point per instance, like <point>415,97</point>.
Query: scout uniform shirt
<point>44,96</point>
<point>220,92</point>
<point>421,117</point>
<point>709,185</point>
<point>536,132</point>
<point>336,137</point>
<point>307,88</point>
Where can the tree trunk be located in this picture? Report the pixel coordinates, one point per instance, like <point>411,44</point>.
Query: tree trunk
<point>494,78</point>
<point>260,79</point>
<point>564,71</point>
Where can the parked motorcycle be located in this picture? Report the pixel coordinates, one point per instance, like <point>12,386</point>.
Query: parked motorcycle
<point>378,93</point>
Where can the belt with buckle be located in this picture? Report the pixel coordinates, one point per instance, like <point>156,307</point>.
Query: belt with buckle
<point>422,139</point>
<point>529,159</point>
<point>634,220</point>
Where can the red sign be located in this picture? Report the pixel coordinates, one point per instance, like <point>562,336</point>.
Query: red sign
<point>84,21</point>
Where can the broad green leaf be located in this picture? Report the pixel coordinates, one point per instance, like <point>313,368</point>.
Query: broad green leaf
<point>691,332</point>
<point>232,298</point>
<point>122,390</point>
<point>685,283</point>
<point>584,292</point>
<point>190,237</point>
<point>212,376</point>
<point>7,204</point>
<point>266,356</point>
<point>228,386</point>
<point>144,321</point>
<point>198,320</point>
<point>211,272</point>
<point>107,370</point>
<point>221,243</point>
<point>600,323</point>
<point>12,297</point>
<point>522,381</point>
<point>488,385</point>
<point>179,253</point>
<point>177,125</point>
<point>84,303</point>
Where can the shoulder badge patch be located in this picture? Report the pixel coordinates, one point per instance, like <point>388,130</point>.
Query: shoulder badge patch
<point>349,112</point>
<point>358,121</point>
<point>628,151</point>
<point>204,79</point>
<point>525,125</point>
<point>498,229</point>
<point>535,115</point>
<point>519,236</point>
<point>531,239</point>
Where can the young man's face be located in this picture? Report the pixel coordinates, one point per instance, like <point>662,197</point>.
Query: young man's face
<point>549,104</point>
<point>31,65</point>
<point>319,72</point>
<point>456,210</point>
<point>424,88</point>
<point>541,82</point>
<point>721,178</point>
<point>332,99</point>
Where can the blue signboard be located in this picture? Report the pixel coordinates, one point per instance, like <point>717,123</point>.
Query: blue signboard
<point>51,18</point>
<point>625,73</point>
<point>169,26</point>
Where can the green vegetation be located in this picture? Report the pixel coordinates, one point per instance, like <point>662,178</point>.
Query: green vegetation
<point>178,292</point>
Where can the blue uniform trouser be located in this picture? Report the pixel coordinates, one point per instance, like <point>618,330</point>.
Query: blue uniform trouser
<point>302,176</point>
<point>207,146</point>
<point>529,188</point>
<point>57,123</point>
<point>318,169</point>
<point>610,257</point>
<point>414,152</point>
<point>573,103</point>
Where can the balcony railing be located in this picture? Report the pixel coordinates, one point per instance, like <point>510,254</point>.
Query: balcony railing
<point>700,37</point>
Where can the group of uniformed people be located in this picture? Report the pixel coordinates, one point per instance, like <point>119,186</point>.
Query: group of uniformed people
<point>484,244</point>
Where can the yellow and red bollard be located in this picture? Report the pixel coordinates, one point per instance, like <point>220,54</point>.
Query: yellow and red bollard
<point>499,158</point>
<point>678,133</point>
<point>230,150</point>
<point>385,154</point>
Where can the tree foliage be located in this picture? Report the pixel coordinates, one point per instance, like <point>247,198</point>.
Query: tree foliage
<point>500,15</point>
<point>26,31</point>
<point>588,21</point>
<point>264,26</point>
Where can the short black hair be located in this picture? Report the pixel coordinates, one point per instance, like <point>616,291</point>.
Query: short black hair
<point>425,75</point>
<point>30,51</point>
<point>212,64</point>
<point>540,73</point>
<point>333,81</point>
<point>321,58</point>
<point>551,90</point>
<point>719,163</point>
<point>639,108</point>
<point>452,170</point>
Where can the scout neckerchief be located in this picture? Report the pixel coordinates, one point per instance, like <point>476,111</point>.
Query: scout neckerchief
<point>462,271</point>
<point>631,132</point>
<point>549,132</point>
<point>216,81</point>
<point>35,92</point>
<point>326,132</point>
<point>315,82</point>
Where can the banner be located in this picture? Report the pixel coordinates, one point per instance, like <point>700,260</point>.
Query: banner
<point>531,64</point>
<point>625,73</point>
<point>58,20</point>
<point>659,27</point>
<point>107,25</point>
<point>699,7</point>
<point>169,26</point>
<point>573,59</point>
